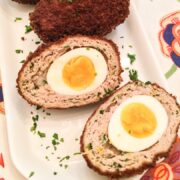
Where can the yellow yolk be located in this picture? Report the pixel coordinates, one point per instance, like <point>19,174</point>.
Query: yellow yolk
<point>79,72</point>
<point>138,120</point>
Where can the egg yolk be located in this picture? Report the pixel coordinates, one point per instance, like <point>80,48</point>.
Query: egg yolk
<point>138,120</point>
<point>79,72</point>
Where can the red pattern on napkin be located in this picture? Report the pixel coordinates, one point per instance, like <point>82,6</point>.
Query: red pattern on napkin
<point>169,169</point>
<point>1,161</point>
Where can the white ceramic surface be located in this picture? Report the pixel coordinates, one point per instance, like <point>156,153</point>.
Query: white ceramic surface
<point>28,150</point>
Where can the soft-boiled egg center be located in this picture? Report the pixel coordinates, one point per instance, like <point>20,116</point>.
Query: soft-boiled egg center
<point>138,120</point>
<point>78,71</point>
<point>137,123</point>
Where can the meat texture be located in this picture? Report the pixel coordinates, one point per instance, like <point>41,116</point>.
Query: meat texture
<point>32,84</point>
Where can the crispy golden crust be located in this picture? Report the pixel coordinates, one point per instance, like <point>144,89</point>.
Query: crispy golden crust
<point>128,172</point>
<point>52,19</point>
<point>27,1</point>
<point>44,47</point>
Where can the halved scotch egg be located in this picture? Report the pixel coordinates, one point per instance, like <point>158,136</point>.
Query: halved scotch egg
<point>74,71</point>
<point>131,130</point>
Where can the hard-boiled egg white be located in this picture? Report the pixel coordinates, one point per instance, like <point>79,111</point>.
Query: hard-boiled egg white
<point>137,124</point>
<point>78,71</point>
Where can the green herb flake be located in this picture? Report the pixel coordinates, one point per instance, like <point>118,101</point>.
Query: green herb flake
<point>28,29</point>
<point>33,128</point>
<point>31,65</point>
<point>41,134</point>
<point>133,75</point>
<point>45,82</point>
<point>18,51</point>
<point>54,142</point>
<point>101,111</point>
<point>89,146</point>
<point>38,107</point>
<point>22,61</point>
<point>77,153</point>
<point>64,158</point>
<point>55,173</point>
<point>47,147</point>
<point>61,140</point>
<point>17,19</point>
<point>35,118</point>
<point>47,158</point>
<point>104,138</point>
<point>55,136</point>
<point>147,82</point>
<point>37,42</point>
<point>31,174</point>
<point>132,58</point>
<point>66,47</point>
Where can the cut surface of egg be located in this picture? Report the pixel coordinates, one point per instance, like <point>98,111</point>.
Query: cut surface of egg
<point>137,124</point>
<point>78,71</point>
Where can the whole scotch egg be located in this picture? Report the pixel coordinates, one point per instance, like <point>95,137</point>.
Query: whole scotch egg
<point>72,72</point>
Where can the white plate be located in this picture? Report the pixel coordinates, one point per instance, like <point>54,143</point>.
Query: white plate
<point>27,150</point>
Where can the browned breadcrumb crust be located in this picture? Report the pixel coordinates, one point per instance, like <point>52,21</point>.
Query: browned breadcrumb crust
<point>54,19</point>
<point>43,47</point>
<point>131,172</point>
<point>27,1</point>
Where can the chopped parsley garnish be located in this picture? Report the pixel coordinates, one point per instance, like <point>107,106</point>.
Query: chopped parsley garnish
<point>47,158</point>
<point>62,140</point>
<point>28,29</point>
<point>18,51</point>
<point>45,82</point>
<point>65,166</point>
<point>147,82</point>
<point>133,75</point>
<point>38,107</point>
<point>56,140</point>
<point>34,127</point>
<point>31,174</point>
<point>17,19</point>
<point>35,118</point>
<point>107,91</point>
<point>55,136</point>
<point>31,65</point>
<point>37,42</point>
<point>89,146</point>
<point>132,57</point>
<point>104,138</point>
<point>54,173</point>
<point>64,158</point>
<point>22,61</point>
<point>101,111</point>
<point>48,114</point>
<point>77,153</point>
<point>66,46</point>
<point>41,134</point>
